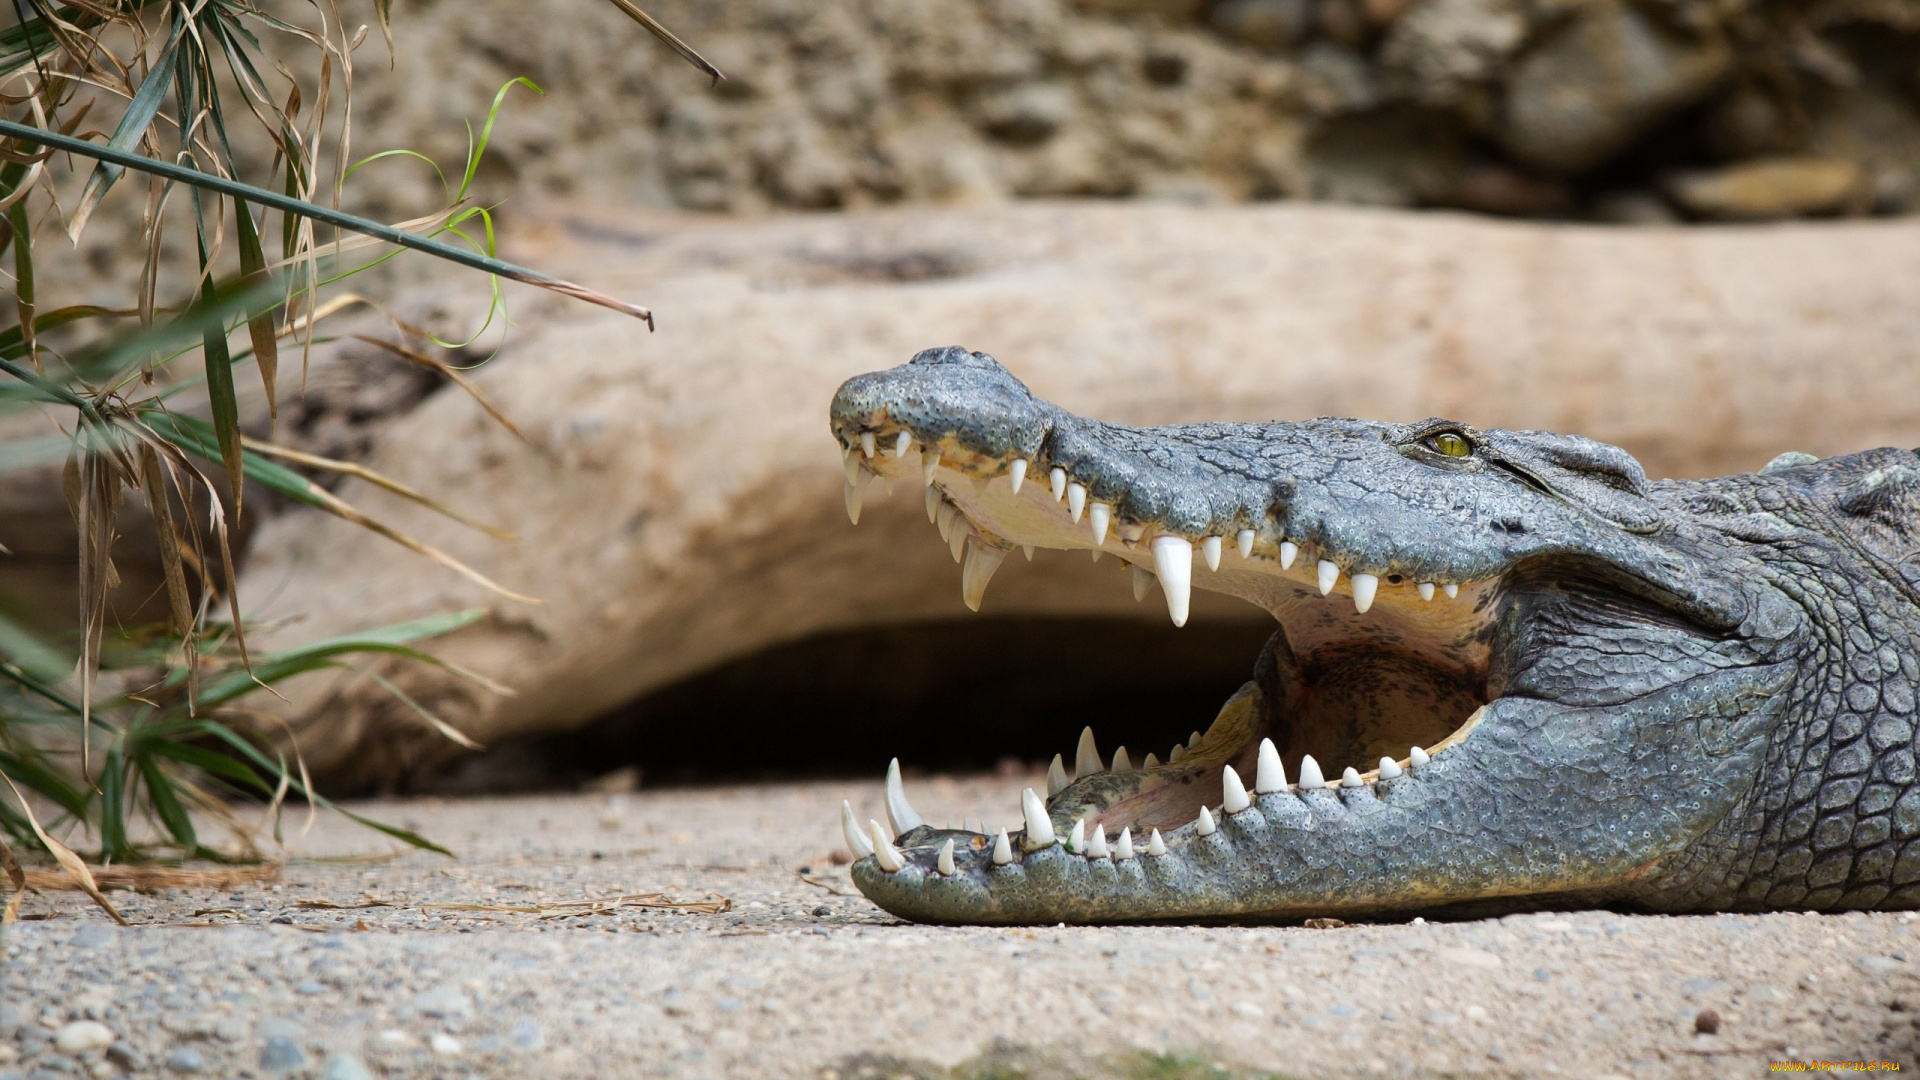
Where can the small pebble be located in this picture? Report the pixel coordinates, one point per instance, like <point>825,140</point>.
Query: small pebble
<point>185,1060</point>
<point>823,910</point>
<point>526,1035</point>
<point>345,1067</point>
<point>82,1036</point>
<point>282,1055</point>
<point>1707,1023</point>
<point>444,1045</point>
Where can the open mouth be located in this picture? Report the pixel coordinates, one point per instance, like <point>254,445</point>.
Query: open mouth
<point>1373,669</point>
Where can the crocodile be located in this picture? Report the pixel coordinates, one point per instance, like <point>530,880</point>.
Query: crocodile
<point>1576,686</point>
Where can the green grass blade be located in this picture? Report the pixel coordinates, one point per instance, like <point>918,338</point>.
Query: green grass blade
<point>394,640</point>
<point>211,762</point>
<point>133,126</point>
<point>113,804</point>
<point>13,343</point>
<point>220,393</point>
<point>337,218</point>
<point>166,804</point>
<point>252,753</point>
<point>486,132</point>
<point>33,773</point>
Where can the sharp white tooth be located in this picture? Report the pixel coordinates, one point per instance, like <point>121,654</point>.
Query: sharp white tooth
<point>1086,757</point>
<point>1142,583</point>
<point>1122,763</point>
<point>883,852</point>
<point>1244,541</point>
<point>1077,839</point>
<point>850,465</point>
<point>1289,551</point>
<point>1039,825</point>
<point>1123,847</point>
<point>1233,792</point>
<point>1096,553</point>
<point>1099,515</point>
<point>1002,849</point>
<point>1364,587</point>
<point>929,461</point>
<point>886,485</point>
<point>1173,561</point>
<point>944,863</point>
<point>1204,824</point>
<point>1027,550</point>
<point>1193,738</point>
<point>1210,550</point>
<point>899,813</point>
<point>957,539</point>
<point>856,493</point>
<point>1451,590</point>
<point>1351,778</point>
<point>901,443</point>
<point>944,516</point>
<point>1310,778</point>
<point>856,838</point>
<point>1179,751</point>
<point>1097,844</point>
<point>1426,590</point>
<point>982,560</point>
<point>866,443</point>
<point>1329,576</point>
<point>1389,768</point>
<point>1150,762</point>
<point>1057,480</point>
<point>933,504</point>
<point>1417,756</point>
<point>1156,846</point>
<point>1056,777</point>
<point>1017,474</point>
<point>1076,501</point>
<point>1270,775</point>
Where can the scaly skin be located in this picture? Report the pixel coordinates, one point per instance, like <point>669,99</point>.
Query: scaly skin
<point>1671,695</point>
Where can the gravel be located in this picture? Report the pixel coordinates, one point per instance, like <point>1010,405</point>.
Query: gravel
<point>209,984</point>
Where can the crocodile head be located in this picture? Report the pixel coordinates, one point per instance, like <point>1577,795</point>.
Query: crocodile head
<point>1509,670</point>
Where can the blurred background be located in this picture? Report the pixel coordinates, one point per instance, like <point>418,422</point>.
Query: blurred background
<point>1678,225</point>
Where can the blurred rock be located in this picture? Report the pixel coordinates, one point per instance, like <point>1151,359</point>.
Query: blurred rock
<point>1769,189</point>
<point>1440,46</point>
<point>1607,76</point>
<point>681,504</point>
<point>1496,189</point>
<point>1632,206</point>
<point>1269,24</point>
<point>1026,114</point>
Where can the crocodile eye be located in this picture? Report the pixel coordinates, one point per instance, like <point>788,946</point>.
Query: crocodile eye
<point>1451,443</point>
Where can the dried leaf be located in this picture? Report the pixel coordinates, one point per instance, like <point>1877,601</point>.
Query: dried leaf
<point>448,370</point>
<point>253,265</point>
<point>179,603</point>
<point>666,36</point>
<point>71,863</point>
<point>380,480</point>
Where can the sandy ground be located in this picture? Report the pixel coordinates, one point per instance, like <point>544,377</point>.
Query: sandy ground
<point>804,978</point>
